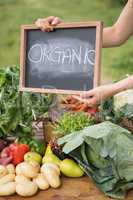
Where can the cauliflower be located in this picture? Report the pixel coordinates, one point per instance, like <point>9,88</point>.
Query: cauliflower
<point>123,98</point>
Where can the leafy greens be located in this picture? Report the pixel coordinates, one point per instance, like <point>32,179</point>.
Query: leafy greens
<point>105,152</point>
<point>118,107</point>
<point>18,110</point>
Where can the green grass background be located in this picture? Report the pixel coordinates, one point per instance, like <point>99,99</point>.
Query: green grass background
<point>116,62</point>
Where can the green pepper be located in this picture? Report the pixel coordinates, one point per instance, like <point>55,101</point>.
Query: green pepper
<point>26,129</point>
<point>24,140</point>
<point>37,146</point>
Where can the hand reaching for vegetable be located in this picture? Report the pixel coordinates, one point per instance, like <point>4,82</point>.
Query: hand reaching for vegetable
<point>47,24</point>
<point>97,95</point>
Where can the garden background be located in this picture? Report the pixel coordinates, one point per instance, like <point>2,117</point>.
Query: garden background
<point>116,62</point>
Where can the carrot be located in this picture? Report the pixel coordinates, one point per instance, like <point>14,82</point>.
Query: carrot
<point>82,107</point>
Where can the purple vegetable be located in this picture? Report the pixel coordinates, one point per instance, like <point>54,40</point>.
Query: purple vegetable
<point>6,160</point>
<point>3,144</point>
<point>5,152</point>
<point>5,157</point>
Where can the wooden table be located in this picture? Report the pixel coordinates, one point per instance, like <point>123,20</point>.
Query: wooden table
<point>71,189</point>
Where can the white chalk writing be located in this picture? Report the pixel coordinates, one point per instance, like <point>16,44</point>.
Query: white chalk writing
<point>42,53</point>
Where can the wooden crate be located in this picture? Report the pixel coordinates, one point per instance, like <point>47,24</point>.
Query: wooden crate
<point>48,131</point>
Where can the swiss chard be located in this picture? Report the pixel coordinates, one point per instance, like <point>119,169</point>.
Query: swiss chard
<point>18,110</point>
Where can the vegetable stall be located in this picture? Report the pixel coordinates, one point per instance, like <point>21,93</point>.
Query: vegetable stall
<point>54,146</point>
<point>80,147</point>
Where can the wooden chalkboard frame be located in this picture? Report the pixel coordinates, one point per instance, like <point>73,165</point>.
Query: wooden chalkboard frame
<point>97,68</point>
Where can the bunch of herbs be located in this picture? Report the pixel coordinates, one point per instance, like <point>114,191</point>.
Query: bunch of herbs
<point>71,122</point>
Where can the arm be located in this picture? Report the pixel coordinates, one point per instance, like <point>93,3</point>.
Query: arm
<point>112,36</point>
<point>121,30</point>
<point>123,85</point>
<point>95,96</point>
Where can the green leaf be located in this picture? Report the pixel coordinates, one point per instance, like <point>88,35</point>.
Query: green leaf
<point>73,144</point>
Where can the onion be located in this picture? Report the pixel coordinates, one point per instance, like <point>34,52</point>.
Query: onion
<point>5,161</point>
<point>3,144</point>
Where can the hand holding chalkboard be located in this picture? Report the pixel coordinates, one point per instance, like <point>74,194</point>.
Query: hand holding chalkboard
<point>66,60</point>
<point>47,24</point>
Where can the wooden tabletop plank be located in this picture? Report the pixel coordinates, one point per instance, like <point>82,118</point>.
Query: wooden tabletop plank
<point>71,189</point>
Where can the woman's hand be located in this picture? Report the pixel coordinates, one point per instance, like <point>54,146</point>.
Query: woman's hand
<point>48,24</point>
<point>97,95</point>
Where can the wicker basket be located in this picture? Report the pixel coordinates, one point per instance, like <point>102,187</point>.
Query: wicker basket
<point>128,124</point>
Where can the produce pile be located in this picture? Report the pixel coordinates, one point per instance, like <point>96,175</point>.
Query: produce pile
<point>24,171</point>
<point>88,141</point>
<point>75,105</point>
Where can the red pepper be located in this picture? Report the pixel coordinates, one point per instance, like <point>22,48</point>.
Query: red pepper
<point>17,151</point>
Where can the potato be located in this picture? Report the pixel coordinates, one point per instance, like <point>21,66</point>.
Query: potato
<point>18,169</point>
<point>27,169</point>
<point>10,169</point>
<point>52,178</point>
<point>7,178</point>
<point>7,189</point>
<point>3,171</point>
<point>52,166</point>
<point>35,164</point>
<point>26,188</point>
<point>41,182</point>
<point>21,178</point>
<point>51,174</point>
<point>7,185</point>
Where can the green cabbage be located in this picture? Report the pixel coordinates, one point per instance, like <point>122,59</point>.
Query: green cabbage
<point>105,152</point>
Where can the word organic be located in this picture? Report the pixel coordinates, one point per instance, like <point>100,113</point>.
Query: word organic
<point>42,53</point>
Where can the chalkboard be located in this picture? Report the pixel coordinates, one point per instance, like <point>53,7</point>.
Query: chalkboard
<point>66,60</point>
